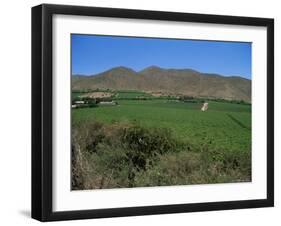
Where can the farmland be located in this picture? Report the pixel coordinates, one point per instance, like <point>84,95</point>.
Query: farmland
<point>127,94</point>
<point>215,145</point>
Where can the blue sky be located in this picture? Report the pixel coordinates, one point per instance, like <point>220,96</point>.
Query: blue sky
<point>92,54</point>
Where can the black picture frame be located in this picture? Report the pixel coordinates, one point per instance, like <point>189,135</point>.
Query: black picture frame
<point>42,111</point>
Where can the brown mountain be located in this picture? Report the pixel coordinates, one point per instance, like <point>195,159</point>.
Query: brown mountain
<point>172,81</point>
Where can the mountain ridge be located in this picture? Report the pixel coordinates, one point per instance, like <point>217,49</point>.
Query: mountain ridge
<point>173,81</point>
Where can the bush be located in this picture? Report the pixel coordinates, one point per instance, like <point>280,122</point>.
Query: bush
<point>117,151</point>
<point>171,169</point>
<point>146,143</point>
<point>195,168</point>
<point>128,155</point>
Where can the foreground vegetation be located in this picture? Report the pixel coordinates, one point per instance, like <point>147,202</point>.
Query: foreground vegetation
<point>160,141</point>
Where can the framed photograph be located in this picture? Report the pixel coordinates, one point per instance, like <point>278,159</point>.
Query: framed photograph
<point>140,112</point>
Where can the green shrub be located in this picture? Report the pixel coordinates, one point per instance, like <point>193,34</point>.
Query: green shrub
<point>194,168</point>
<point>146,143</point>
<point>128,155</point>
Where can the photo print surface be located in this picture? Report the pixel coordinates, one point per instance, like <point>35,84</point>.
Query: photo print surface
<point>159,112</point>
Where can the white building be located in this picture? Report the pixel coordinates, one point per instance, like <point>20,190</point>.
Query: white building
<point>79,102</point>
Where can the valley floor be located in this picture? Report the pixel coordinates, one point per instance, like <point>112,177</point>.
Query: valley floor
<point>160,142</point>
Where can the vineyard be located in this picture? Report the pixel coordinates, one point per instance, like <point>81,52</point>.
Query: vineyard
<point>201,147</point>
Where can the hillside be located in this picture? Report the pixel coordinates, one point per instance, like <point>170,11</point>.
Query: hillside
<point>171,81</point>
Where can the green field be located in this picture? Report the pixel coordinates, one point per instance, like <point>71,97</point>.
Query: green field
<point>159,141</point>
<point>187,122</point>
